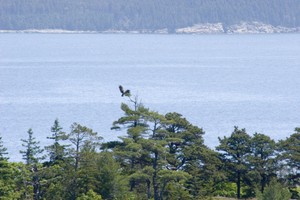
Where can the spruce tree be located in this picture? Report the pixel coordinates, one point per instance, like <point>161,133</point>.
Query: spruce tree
<point>32,156</point>
<point>32,152</point>
<point>57,151</point>
<point>3,151</point>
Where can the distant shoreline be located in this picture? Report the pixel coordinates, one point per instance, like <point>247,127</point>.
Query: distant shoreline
<point>197,29</point>
<point>54,31</point>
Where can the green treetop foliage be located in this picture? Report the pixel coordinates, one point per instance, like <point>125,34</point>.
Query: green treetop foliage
<point>262,159</point>
<point>110,181</point>
<point>235,150</point>
<point>90,195</point>
<point>32,152</point>
<point>133,117</point>
<point>82,138</point>
<point>158,147</point>
<point>172,184</point>
<point>290,156</point>
<point>162,156</point>
<point>32,156</point>
<point>84,144</point>
<point>183,140</point>
<point>206,172</point>
<point>13,181</point>
<point>3,151</point>
<point>134,154</point>
<point>56,150</point>
<point>274,191</point>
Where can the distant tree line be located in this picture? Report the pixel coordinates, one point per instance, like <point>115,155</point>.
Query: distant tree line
<point>161,157</point>
<point>99,15</point>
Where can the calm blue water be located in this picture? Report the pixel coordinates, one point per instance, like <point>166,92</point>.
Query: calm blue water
<point>215,81</point>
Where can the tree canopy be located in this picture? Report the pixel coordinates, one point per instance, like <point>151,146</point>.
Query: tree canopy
<point>162,156</point>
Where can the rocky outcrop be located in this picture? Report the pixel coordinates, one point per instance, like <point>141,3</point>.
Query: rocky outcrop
<point>243,27</point>
<point>206,28</point>
<point>258,27</point>
<point>202,29</point>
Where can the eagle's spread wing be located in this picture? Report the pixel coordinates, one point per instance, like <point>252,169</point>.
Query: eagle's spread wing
<point>121,89</point>
<point>127,93</point>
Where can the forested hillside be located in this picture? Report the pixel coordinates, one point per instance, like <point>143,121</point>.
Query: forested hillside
<point>100,15</point>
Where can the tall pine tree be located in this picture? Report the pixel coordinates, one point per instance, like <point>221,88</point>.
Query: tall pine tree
<point>234,151</point>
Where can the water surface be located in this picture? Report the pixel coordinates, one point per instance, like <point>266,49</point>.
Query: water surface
<point>215,81</point>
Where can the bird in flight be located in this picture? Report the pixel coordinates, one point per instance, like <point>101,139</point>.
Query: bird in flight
<point>124,92</point>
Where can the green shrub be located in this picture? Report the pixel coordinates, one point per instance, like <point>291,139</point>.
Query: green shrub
<point>274,191</point>
<point>90,195</point>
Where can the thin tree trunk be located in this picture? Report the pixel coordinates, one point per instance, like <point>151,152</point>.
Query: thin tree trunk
<point>155,185</point>
<point>262,182</point>
<point>36,184</point>
<point>132,182</point>
<point>148,189</point>
<point>238,185</point>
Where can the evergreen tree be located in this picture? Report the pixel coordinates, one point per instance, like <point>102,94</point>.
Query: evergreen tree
<point>11,181</point>
<point>205,171</point>
<point>111,183</point>
<point>234,151</point>
<point>290,158</point>
<point>3,151</point>
<point>274,191</point>
<point>89,196</point>
<point>57,166</point>
<point>82,138</point>
<point>156,144</point>
<point>32,156</point>
<point>56,150</point>
<point>187,152</point>
<point>183,139</point>
<point>130,153</point>
<point>84,143</point>
<point>172,184</point>
<point>262,159</point>
<point>155,147</point>
<point>32,152</point>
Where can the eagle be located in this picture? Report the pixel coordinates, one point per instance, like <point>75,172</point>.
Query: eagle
<point>124,92</point>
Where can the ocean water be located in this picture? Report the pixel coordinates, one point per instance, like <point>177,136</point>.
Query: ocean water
<point>215,81</point>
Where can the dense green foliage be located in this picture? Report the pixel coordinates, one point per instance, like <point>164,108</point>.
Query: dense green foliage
<point>235,150</point>
<point>161,157</point>
<point>275,191</point>
<point>142,14</point>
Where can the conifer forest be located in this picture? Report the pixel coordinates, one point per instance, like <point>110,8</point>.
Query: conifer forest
<point>162,156</point>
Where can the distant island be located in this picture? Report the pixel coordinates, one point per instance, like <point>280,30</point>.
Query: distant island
<point>144,16</point>
<point>208,28</point>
